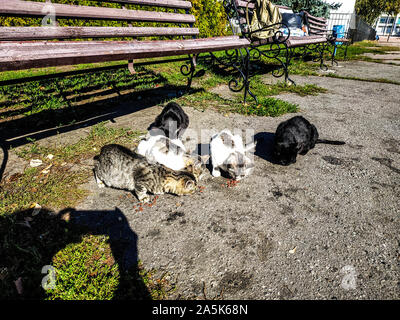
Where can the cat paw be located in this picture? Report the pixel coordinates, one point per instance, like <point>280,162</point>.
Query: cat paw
<point>144,199</point>
<point>100,184</point>
<point>216,173</point>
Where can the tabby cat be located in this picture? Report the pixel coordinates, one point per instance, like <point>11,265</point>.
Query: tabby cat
<point>121,168</point>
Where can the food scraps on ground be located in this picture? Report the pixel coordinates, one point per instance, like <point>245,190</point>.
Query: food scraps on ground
<point>230,183</point>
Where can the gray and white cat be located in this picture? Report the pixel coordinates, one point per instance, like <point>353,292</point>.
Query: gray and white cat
<point>120,168</point>
<point>229,154</point>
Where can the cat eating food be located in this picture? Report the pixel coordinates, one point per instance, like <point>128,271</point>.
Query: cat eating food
<point>172,154</point>
<point>229,154</point>
<point>119,167</point>
<point>296,136</point>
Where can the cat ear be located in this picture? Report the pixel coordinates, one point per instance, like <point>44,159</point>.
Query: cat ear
<point>204,158</point>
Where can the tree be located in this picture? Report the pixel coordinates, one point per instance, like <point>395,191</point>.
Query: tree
<point>316,8</point>
<point>370,10</point>
<point>392,8</point>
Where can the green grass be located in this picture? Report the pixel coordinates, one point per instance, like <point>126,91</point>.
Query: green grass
<point>268,107</point>
<point>356,51</point>
<point>85,271</point>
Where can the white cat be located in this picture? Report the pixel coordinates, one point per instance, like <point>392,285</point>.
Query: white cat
<point>229,154</point>
<point>163,150</point>
<point>171,153</point>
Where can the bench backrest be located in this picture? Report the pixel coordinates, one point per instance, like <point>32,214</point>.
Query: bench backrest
<point>173,15</point>
<point>238,9</point>
<point>316,25</point>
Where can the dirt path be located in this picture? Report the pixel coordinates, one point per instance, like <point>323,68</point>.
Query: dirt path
<point>324,228</point>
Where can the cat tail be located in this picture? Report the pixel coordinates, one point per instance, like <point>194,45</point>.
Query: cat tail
<point>333,142</point>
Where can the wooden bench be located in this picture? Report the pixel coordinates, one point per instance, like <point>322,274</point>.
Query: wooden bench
<point>281,47</point>
<point>319,27</point>
<point>34,46</point>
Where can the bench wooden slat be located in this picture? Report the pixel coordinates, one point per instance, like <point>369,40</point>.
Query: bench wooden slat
<point>178,4</point>
<point>48,54</point>
<point>318,29</point>
<point>317,19</point>
<point>244,4</point>
<point>47,33</point>
<point>28,8</point>
<point>319,24</point>
<point>303,41</point>
<point>251,4</point>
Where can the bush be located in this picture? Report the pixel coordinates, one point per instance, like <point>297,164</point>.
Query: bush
<point>210,18</point>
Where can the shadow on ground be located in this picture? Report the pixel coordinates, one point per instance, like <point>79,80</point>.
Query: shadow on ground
<point>265,145</point>
<point>77,104</point>
<point>28,242</point>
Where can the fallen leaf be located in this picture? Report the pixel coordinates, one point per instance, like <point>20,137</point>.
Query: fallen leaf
<point>293,250</point>
<point>46,170</point>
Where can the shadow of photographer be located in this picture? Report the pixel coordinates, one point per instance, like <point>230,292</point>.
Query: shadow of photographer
<point>29,241</point>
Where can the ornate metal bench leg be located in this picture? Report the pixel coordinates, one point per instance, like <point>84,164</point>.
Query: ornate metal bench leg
<point>241,63</point>
<point>334,52</point>
<point>345,51</point>
<point>188,71</point>
<point>286,64</point>
<point>322,65</point>
<point>246,78</point>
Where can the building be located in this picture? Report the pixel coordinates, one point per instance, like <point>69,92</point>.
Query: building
<point>386,25</point>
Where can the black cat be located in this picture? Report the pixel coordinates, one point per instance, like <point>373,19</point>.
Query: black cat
<point>296,136</point>
<point>172,121</point>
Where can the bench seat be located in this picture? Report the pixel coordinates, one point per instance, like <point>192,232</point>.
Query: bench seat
<point>38,54</point>
<point>292,41</point>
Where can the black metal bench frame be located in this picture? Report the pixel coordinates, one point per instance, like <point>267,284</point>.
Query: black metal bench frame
<point>279,47</point>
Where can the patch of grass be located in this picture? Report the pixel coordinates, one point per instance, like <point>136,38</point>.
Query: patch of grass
<point>356,51</point>
<point>88,271</point>
<point>85,271</point>
<point>268,107</point>
<point>36,96</point>
<point>21,191</point>
<point>302,68</point>
<point>275,89</point>
<point>46,184</point>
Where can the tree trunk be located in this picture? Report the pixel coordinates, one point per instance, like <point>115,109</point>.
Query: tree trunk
<point>393,27</point>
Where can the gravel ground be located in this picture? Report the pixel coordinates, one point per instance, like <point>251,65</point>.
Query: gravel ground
<point>326,227</point>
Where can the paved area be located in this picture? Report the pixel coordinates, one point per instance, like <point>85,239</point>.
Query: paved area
<point>326,227</point>
<point>367,70</point>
